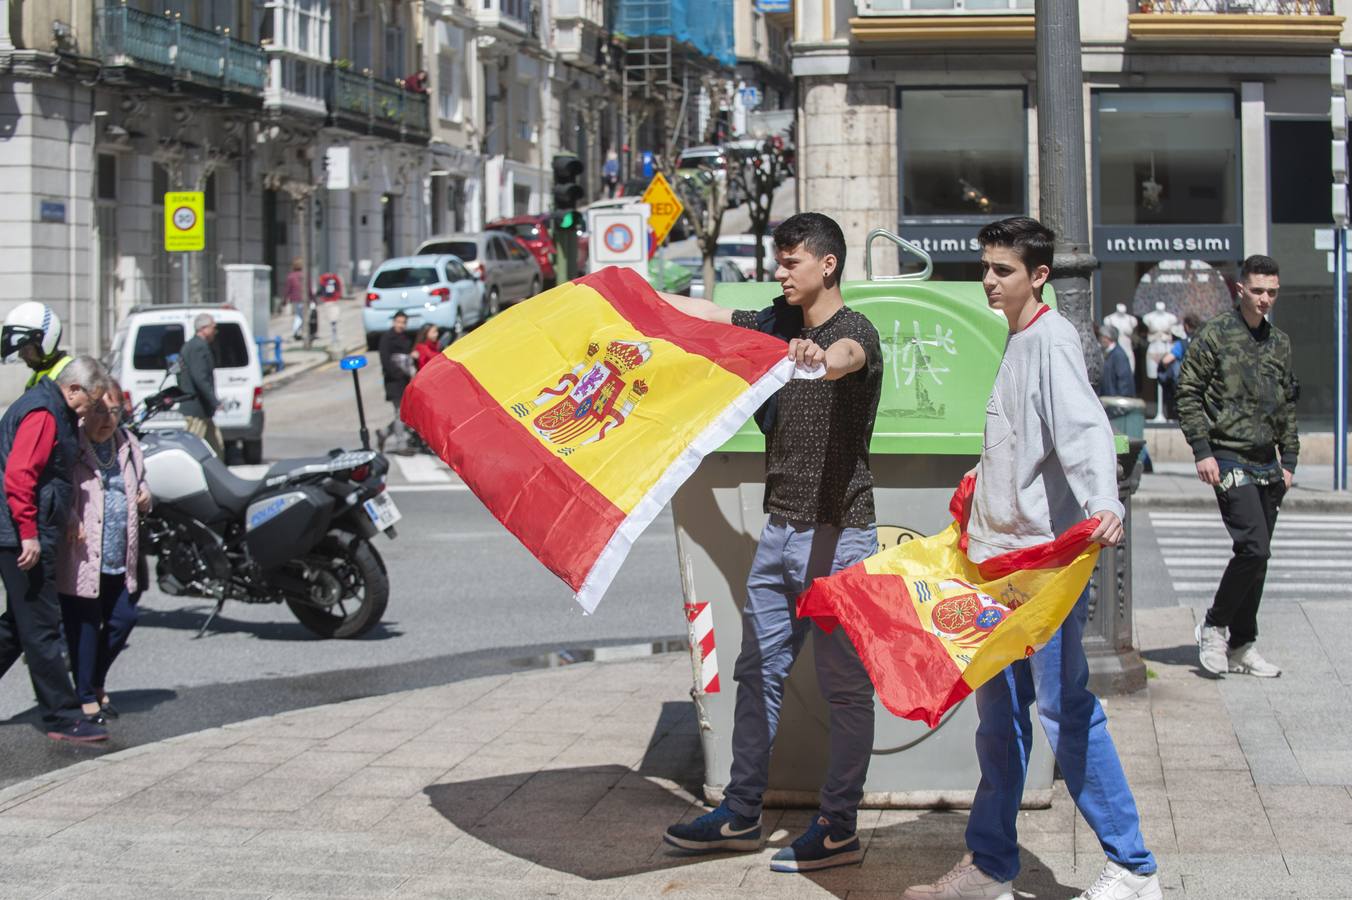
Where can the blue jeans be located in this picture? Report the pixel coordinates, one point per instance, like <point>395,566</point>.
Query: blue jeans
<point>96,631</point>
<point>789,556</point>
<point>1057,677</point>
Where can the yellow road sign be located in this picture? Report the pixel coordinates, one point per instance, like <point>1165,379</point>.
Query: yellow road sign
<point>185,221</point>
<point>666,207</point>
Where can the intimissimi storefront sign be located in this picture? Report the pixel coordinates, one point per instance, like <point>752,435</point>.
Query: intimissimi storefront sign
<point>945,243</point>
<point>1160,242</point>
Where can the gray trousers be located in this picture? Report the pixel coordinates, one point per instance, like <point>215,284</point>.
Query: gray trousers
<point>789,556</point>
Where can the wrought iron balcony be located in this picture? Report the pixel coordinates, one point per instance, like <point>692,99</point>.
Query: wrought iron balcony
<point>1253,21</point>
<point>131,39</point>
<point>367,105</point>
<point>1237,7</point>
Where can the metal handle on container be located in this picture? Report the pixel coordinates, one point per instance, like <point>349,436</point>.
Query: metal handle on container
<point>922,275</point>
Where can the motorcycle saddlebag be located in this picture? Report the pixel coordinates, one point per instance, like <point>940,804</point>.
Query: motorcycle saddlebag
<point>287,524</point>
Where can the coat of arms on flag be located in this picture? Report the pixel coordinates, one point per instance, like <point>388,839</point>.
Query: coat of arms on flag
<point>575,415</point>
<point>931,626</point>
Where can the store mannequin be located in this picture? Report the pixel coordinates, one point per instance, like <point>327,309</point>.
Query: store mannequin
<point>1160,323</point>
<point>1125,323</point>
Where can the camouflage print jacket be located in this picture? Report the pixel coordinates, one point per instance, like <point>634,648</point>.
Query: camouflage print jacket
<point>1237,393</point>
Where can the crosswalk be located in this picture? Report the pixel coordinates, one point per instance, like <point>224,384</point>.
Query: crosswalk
<point>1310,555</point>
<point>408,474</point>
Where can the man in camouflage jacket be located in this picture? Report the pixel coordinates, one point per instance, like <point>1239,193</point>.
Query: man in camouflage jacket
<point>1237,406</point>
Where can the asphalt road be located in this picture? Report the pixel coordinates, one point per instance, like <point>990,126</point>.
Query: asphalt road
<point>465,600</point>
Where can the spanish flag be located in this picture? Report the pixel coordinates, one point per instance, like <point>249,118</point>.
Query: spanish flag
<point>931,626</point>
<point>575,415</point>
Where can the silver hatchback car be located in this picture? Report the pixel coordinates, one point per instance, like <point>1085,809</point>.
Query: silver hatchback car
<point>508,270</point>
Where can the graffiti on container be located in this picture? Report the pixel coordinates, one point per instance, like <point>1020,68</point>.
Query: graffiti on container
<point>918,359</point>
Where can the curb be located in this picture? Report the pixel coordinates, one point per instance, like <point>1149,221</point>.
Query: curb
<point>1326,503</point>
<point>296,370</point>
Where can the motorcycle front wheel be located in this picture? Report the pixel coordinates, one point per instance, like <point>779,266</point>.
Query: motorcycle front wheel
<point>349,588</point>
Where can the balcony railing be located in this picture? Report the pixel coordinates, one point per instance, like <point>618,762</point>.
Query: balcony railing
<point>366,104</point>
<point>942,7</point>
<point>131,38</point>
<point>1238,7</point>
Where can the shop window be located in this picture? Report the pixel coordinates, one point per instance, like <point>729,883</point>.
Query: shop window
<point>1167,158</point>
<point>963,153</point>
<point>107,176</point>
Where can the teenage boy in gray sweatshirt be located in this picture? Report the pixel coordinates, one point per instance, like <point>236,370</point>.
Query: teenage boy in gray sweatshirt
<point>1046,464</point>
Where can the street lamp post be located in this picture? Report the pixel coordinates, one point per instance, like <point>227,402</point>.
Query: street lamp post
<point>1114,665</point>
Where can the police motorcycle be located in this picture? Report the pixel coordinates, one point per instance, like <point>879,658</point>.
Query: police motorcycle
<point>300,535</point>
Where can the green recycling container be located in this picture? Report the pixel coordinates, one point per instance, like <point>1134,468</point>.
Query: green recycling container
<point>941,346</point>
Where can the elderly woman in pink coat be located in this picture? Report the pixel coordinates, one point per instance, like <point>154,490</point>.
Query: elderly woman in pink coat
<point>96,572</point>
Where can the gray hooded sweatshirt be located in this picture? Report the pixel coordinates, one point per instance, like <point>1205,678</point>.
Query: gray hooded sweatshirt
<point>1048,460</point>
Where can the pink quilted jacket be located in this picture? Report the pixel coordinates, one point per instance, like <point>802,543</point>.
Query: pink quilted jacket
<point>79,561</point>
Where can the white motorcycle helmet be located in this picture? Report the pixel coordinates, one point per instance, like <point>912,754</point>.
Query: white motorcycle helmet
<point>30,323</point>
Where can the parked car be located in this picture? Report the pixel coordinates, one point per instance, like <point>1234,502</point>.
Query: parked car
<point>725,270</point>
<point>715,160</point>
<point>149,335</point>
<point>534,233</point>
<point>741,249</point>
<point>508,271</point>
<point>429,288</point>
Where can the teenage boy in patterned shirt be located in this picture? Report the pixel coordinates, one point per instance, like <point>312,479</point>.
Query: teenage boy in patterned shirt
<point>819,494</point>
<point>1047,463</point>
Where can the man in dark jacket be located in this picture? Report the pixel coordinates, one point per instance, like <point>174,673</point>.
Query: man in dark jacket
<point>396,366</point>
<point>1237,406</point>
<point>197,378</point>
<point>38,443</point>
<point>1117,380</point>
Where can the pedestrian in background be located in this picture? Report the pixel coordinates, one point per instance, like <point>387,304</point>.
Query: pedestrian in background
<point>819,494</point>
<point>1171,365</point>
<point>97,573</point>
<point>298,294</point>
<point>1116,380</point>
<point>610,173</point>
<point>427,345</point>
<point>197,379</point>
<point>330,292</point>
<point>1237,407</point>
<point>397,367</point>
<point>39,441</point>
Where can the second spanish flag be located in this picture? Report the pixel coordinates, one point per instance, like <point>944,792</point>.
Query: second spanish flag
<point>931,626</point>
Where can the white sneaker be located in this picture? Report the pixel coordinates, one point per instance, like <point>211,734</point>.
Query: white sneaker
<point>962,882</point>
<point>1116,883</point>
<point>1244,660</point>
<point>1212,645</point>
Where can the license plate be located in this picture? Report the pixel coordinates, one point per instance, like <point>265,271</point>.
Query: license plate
<point>382,511</point>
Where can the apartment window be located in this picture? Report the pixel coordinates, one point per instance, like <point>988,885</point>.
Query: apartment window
<point>361,41</point>
<point>107,176</point>
<point>450,59</point>
<point>963,152</point>
<point>394,53</point>
<point>1167,158</point>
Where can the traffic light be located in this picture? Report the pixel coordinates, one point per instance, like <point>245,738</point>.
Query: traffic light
<point>568,190</point>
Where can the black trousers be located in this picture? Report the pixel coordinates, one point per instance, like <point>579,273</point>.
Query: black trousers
<point>1250,514</point>
<point>31,625</point>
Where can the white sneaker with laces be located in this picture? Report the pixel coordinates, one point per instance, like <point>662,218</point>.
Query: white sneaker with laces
<point>1212,645</point>
<point>962,882</point>
<point>1116,883</point>
<point>1244,660</point>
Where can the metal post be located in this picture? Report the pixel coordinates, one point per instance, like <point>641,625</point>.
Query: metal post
<point>361,412</point>
<point>1114,665</point>
<point>186,257</point>
<point>1340,341</point>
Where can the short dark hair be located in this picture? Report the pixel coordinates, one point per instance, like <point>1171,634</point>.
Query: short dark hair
<point>399,315</point>
<point>1258,264</point>
<point>1033,241</point>
<point>819,235</point>
<point>1192,321</point>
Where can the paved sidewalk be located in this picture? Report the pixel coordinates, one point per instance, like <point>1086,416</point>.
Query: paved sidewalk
<point>297,360</point>
<point>1175,484</point>
<point>558,783</point>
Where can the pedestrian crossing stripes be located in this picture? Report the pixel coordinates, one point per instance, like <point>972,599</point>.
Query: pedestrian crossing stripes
<point>1309,555</point>
<point>408,474</point>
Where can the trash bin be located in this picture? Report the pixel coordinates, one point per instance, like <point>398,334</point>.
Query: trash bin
<point>941,346</point>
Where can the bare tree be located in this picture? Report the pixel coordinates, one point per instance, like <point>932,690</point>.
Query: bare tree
<point>706,199</point>
<point>757,177</point>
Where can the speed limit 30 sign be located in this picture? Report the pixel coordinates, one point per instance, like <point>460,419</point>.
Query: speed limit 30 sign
<point>184,221</point>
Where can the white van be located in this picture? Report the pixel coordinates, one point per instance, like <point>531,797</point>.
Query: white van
<point>149,334</point>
